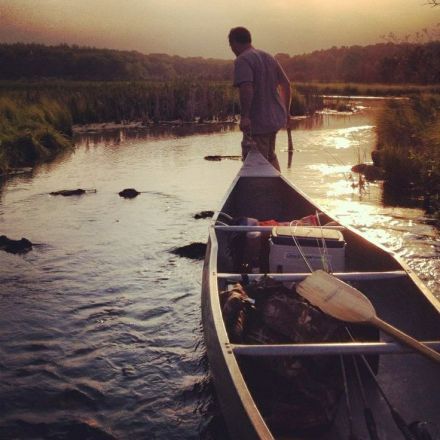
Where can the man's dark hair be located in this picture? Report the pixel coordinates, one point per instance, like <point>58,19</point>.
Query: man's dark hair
<point>240,35</point>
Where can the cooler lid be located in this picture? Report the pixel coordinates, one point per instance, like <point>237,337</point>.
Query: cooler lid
<point>307,236</point>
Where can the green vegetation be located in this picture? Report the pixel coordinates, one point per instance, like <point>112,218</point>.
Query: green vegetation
<point>46,89</point>
<point>36,61</point>
<point>32,131</point>
<point>104,101</point>
<point>147,101</point>
<point>37,116</point>
<point>408,149</point>
<point>389,63</point>
<point>354,89</point>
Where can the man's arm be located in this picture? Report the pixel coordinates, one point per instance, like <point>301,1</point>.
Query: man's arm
<point>246,92</point>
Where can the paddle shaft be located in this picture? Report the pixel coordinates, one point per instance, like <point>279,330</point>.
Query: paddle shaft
<point>290,146</point>
<point>289,139</point>
<point>406,339</point>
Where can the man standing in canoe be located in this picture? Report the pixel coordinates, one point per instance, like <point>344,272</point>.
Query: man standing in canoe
<point>264,95</point>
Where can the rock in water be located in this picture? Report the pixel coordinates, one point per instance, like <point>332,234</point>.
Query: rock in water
<point>69,192</point>
<point>15,246</point>
<point>218,157</point>
<point>371,172</point>
<point>204,214</point>
<point>195,251</point>
<point>129,193</point>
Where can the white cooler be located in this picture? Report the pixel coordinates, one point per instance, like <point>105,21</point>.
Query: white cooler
<point>284,256</point>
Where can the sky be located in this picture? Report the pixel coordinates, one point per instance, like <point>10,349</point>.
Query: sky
<point>200,27</point>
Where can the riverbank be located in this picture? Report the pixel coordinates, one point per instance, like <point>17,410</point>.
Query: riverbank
<point>366,90</point>
<point>408,149</point>
<point>38,117</point>
<point>32,132</point>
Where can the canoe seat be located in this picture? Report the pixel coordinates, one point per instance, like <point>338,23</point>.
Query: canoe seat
<point>345,276</point>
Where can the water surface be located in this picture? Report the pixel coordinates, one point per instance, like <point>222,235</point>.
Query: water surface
<point>100,333</point>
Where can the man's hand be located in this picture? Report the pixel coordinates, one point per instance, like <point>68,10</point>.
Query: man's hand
<point>245,124</point>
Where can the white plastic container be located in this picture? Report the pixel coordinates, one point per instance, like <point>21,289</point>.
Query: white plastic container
<point>285,257</point>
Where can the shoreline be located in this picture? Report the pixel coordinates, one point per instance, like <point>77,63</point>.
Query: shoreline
<point>103,126</point>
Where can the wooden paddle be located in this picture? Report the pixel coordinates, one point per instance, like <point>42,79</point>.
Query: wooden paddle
<point>346,303</point>
<point>289,145</point>
<point>289,140</point>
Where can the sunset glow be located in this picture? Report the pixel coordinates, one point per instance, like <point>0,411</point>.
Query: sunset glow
<point>199,28</point>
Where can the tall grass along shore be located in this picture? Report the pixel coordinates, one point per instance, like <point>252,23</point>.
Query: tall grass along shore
<point>37,116</point>
<point>408,149</point>
<point>32,131</point>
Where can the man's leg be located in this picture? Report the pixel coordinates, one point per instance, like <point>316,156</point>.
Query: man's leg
<point>266,146</point>
<point>246,145</point>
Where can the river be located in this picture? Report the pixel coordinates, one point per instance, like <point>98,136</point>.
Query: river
<point>100,332</point>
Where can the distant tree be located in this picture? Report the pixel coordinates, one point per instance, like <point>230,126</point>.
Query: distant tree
<point>392,62</point>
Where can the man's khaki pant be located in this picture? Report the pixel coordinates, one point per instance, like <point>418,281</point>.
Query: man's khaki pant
<point>265,143</point>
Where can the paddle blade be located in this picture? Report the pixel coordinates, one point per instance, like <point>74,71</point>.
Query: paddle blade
<point>336,298</point>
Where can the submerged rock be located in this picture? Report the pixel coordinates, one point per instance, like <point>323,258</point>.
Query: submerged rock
<point>129,193</point>
<point>15,246</point>
<point>218,157</point>
<point>204,214</point>
<point>195,251</point>
<point>71,192</point>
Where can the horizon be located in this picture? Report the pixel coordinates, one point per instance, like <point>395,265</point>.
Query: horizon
<point>166,27</point>
<point>73,45</point>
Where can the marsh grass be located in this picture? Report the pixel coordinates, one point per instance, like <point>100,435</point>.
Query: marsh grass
<point>358,89</point>
<point>37,116</point>
<point>32,131</point>
<point>408,148</point>
<point>116,101</point>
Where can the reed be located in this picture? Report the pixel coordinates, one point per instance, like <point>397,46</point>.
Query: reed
<point>408,148</point>
<point>37,116</point>
<point>152,101</point>
<point>359,89</point>
<point>32,132</point>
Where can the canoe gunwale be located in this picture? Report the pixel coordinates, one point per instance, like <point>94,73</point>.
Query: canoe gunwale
<point>228,370</point>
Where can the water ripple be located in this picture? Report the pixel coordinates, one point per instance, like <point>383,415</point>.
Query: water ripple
<point>100,336</point>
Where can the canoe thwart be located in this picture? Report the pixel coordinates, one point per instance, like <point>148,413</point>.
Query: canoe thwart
<point>240,228</point>
<point>346,276</point>
<point>327,349</point>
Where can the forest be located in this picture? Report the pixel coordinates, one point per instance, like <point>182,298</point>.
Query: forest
<point>387,63</point>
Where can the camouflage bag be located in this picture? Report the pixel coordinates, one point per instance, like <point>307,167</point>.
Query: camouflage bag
<point>294,393</point>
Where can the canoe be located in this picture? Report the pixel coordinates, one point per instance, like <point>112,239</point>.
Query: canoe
<point>410,382</point>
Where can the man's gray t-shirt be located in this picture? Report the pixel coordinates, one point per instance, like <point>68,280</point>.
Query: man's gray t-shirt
<point>267,112</point>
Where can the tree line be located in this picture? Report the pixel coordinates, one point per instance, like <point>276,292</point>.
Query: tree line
<point>388,63</point>
<point>36,61</point>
